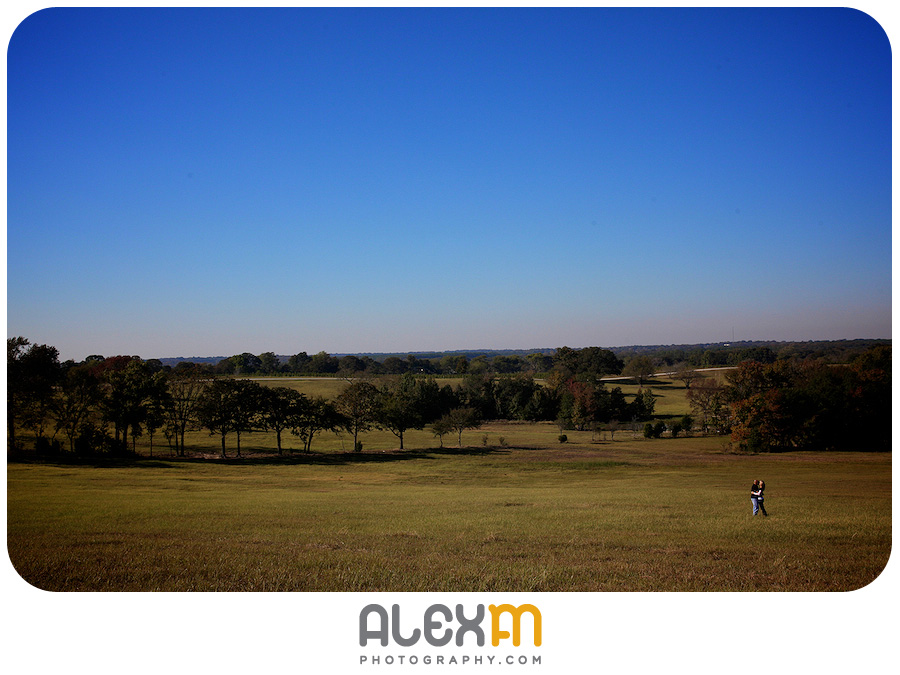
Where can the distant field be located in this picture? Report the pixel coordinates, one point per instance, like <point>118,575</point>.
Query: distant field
<point>670,401</point>
<point>529,514</point>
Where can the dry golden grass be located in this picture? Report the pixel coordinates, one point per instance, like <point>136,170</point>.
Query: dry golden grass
<point>529,515</point>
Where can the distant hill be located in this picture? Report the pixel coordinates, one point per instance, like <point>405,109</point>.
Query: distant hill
<point>175,360</point>
<point>834,347</point>
<point>381,356</point>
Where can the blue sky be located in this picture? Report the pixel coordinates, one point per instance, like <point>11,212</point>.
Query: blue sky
<point>209,182</point>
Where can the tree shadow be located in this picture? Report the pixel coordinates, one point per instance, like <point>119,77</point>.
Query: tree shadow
<point>250,457</point>
<point>468,450</point>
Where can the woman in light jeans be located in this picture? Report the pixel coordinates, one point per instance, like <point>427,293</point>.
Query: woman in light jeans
<point>759,497</point>
<point>754,496</point>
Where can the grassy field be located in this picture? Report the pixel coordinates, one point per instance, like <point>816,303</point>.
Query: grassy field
<point>527,514</point>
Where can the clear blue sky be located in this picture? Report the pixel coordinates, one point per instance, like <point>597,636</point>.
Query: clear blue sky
<point>209,182</point>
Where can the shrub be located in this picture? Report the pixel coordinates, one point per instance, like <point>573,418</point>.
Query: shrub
<point>563,438</point>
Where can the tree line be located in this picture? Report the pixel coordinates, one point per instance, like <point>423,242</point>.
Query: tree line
<point>589,360</point>
<point>105,404</point>
<point>800,404</point>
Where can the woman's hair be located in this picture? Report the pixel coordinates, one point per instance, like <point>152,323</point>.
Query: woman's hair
<point>762,484</point>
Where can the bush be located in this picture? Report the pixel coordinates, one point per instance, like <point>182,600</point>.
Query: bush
<point>654,430</point>
<point>563,438</point>
<point>44,446</point>
<point>359,446</point>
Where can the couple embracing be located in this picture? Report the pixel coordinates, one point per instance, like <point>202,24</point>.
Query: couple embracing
<point>756,497</point>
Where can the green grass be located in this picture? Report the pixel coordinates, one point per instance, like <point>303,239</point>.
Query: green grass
<point>534,515</point>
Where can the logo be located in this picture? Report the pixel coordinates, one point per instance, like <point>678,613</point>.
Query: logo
<point>440,627</point>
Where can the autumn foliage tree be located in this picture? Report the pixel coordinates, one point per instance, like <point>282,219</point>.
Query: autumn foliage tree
<point>799,405</point>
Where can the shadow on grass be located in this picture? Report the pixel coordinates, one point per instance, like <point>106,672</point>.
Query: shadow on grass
<point>250,457</point>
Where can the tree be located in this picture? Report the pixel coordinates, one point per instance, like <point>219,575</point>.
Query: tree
<point>74,405</point>
<point>316,414</point>
<point>358,404</point>
<point>540,363</point>
<point>517,397</point>
<point>298,363</point>
<point>246,408</point>
<point>458,420</point>
<point>399,407</point>
<point>323,363</point>
<point>269,363</point>
<point>809,405</point>
<point>185,384</point>
<point>507,364</point>
<point>393,365</point>
<point>128,390</point>
<point>215,407</point>
<point>707,400</point>
<point>639,367</point>
<point>477,391</point>
<point>158,403</point>
<point>686,374</point>
<point>30,377</point>
<point>282,408</point>
<point>598,362</point>
<point>441,427</point>
<point>580,404</point>
<point>566,361</point>
<point>643,405</point>
<point>350,365</point>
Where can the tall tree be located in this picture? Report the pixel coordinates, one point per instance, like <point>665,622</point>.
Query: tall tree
<point>30,377</point>
<point>707,401</point>
<point>215,409</point>
<point>246,408</point>
<point>281,408</point>
<point>186,384</point>
<point>358,403</point>
<point>640,367</point>
<point>400,407</point>
<point>643,405</point>
<point>269,363</point>
<point>159,401</point>
<point>317,414</point>
<point>129,390</point>
<point>298,363</point>
<point>75,403</point>
<point>687,374</point>
<point>458,420</point>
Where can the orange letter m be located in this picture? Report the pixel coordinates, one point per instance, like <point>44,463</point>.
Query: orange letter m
<point>516,613</point>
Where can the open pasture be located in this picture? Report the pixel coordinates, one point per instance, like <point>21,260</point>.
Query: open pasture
<point>527,514</point>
